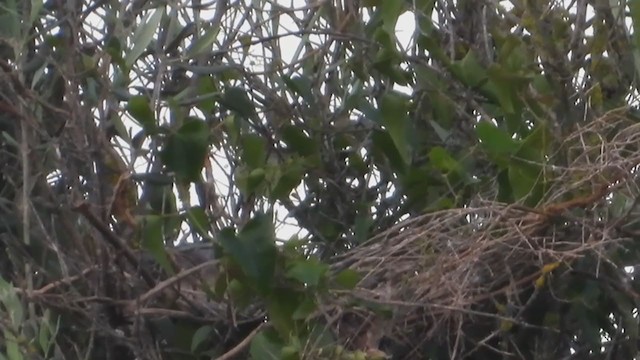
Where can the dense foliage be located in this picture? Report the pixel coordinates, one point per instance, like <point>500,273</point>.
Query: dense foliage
<point>463,176</point>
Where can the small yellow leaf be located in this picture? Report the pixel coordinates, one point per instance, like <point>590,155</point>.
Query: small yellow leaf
<point>550,267</point>
<point>540,281</point>
<point>502,309</point>
<point>123,196</point>
<point>505,325</point>
<point>595,96</point>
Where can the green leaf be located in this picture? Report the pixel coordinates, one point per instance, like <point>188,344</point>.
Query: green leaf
<point>298,141</point>
<point>505,193</point>
<point>504,92</point>
<point>140,109</point>
<point>390,11</point>
<point>242,294</point>
<point>246,41</point>
<point>281,307</point>
<point>433,46</point>
<point>536,145</point>
<point>383,145</point>
<point>292,174</point>
<point>233,128</point>
<point>198,221</point>
<point>301,85</point>
<point>524,182</point>
<point>348,279</point>
<point>362,227</point>
<point>36,8</point>
<point>443,114</point>
<point>513,54</point>
<point>306,308</point>
<point>12,348</point>
<point>153,240</point>
<point>321,336</point>
<point>200,336</point>
<point>424,20</point>
<point>12,304</point>
<point>634,6</point>
<point>255,179</point>
<point>204,42</point>
<point>48,332</point>
<point>469,70</point>
<point>496,142</point>
<point>186,149</point>
<point>113,47</point>
<point>290,352</point>
<point>44,332</point>
<point>393,111</point>
<point>254,250</point>
<point>236,99</point>
<point>254,150</point>
<point>9,20</point>
<point>387,57</point>
<point>620,204</point>
<point>308,271</point>
<point>441,159</point>
<point>206,90</point>
<point>527,164</point>
<point>265,346</point>
<point>506,87</point>
<point>144,35</point>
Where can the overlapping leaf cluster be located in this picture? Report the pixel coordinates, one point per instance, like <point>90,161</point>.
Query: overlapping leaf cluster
<point>465,186</point>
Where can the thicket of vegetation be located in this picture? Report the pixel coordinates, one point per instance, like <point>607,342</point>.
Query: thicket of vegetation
<point>465,189</point>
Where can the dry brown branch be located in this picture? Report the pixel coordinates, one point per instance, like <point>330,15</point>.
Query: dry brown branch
<point>66,281</point>
<point>174,279</point>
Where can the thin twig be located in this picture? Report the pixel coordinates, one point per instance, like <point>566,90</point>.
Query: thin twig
<point>65,281</point>
<point>243,344</point>
<point>115,241</point>
<point>174,279</point>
